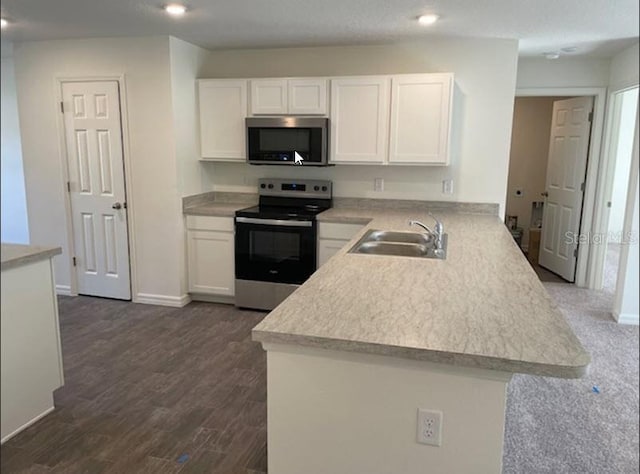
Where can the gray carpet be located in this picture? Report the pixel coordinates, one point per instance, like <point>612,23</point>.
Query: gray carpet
<point>563,426</point>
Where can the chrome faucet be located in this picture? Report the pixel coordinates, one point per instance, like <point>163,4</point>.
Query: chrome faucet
<point>437,233</point>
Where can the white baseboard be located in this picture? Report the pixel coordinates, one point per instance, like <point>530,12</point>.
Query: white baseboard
<point>64,290</point>
<point>628,318</point>
<point>163,300</point>
<point>27,424</point>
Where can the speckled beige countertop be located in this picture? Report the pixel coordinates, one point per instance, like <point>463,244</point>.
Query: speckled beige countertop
<point>482,307</point>
<point>16,255</point>
<point>219,209</point>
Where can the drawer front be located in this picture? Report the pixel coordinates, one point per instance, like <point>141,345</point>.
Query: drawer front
<point>330,230</point>
<point>222,224</point>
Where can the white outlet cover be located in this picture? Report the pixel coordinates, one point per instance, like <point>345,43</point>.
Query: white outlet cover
<point>429,429</point>
<point>447,186</point>
<point>378,184</point>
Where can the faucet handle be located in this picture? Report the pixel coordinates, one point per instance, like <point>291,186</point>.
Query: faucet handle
<point>439,225</point>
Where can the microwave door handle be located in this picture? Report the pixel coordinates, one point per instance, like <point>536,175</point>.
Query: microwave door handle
<point>274,222</point>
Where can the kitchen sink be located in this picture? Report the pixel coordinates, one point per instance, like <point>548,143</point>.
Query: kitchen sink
<point>400,244</point>
<point>399,237</point>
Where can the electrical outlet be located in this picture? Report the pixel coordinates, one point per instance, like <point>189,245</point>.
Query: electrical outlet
<point>378,184</point>
<point>429,427</point>
<point>447,186</point>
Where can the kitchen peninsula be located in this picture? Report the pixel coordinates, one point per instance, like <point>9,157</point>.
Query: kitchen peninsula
<point>31,351</point>
<point>368,340</point>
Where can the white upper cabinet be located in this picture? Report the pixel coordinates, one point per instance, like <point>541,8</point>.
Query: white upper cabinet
<point>360,119</point>
<point>223,109</point>
<point>289,96</point>
<point>307,96</point>
<point>420,119</point>
<point>402,119</point>
<point>269,97</point>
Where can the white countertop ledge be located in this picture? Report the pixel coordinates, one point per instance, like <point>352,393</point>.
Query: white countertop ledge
<point>17,255</point>
<point>482,307</point>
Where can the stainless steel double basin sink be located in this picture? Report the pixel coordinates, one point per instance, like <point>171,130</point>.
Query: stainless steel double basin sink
<point>400,244</point>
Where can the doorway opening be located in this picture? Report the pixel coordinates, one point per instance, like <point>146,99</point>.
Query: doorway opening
<point>547,176</point>
<point>623,125</point>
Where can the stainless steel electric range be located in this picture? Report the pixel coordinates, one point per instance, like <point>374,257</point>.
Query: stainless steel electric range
<point>275,241</point>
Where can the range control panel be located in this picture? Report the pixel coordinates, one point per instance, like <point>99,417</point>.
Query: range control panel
<point>306,188</point>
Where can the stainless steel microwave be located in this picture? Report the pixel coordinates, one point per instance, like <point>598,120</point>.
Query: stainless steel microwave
<point>287,141</point>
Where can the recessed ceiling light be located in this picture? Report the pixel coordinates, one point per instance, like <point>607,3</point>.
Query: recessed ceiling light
<point>551,55</point>
<point>3,23</point>
<point>175,9</point>
<point>428,19</point>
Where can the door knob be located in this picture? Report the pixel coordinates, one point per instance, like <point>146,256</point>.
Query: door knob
<point>117,206</point>
<point>545,194</point>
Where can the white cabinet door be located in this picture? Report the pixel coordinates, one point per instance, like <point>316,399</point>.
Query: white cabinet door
<point>269,97</point>
<point>307,96</point>
<point>332,237</point>
<point>420,119</point>
<point>223,109</point>
<point>328,248</point>
<point>359,119</point>
<point>211,262</point>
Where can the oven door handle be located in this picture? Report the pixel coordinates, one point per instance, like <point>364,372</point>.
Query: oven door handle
<point>276,222</point>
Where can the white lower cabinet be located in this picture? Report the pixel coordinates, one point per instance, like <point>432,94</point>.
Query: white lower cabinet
<point>332,237</point>
<point>211,255</point>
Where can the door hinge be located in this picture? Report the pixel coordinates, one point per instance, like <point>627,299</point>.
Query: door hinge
<point>609,204</point>
<point>68,186</point>
<point>74,261</point>
<point>61,106</point>
<point>575,253</point>
<point>591,116</point>
<point>582,187</point>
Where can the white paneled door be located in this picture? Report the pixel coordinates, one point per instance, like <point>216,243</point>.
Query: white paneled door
<point>566,168</point>
<point>93,135</point>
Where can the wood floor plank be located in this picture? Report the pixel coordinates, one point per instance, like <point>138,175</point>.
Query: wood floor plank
<point>151,389</point>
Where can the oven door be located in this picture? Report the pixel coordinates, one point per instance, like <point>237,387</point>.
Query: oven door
<point>279,251</point>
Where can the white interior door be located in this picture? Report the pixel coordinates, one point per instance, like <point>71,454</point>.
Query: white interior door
<point>96,176</point>
<point>568,150</point>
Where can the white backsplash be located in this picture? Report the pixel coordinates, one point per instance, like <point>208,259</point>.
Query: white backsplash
<point>410,182</point>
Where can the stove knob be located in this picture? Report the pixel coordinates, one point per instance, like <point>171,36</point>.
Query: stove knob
<point>270,186</point>
<point>316,188</point>
<point>263,185</point>
<point>324,188</point>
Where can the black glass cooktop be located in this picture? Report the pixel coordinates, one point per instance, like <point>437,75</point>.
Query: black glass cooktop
<point>281,212</point>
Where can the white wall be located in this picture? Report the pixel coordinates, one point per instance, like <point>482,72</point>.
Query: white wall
<point>624,149</point>
<point>626,309</point>
<point>485,76</point>
<point>186,61</point>
<point>624,68</point>
<point>563,72</point>
<point>14,227</point>
<point>624,73</point>
<point>155,199</point>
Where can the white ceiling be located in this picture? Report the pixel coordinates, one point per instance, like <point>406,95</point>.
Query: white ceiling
<point>595,27</point>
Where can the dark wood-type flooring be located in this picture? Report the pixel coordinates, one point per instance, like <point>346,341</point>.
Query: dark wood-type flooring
<point>151,389</point>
